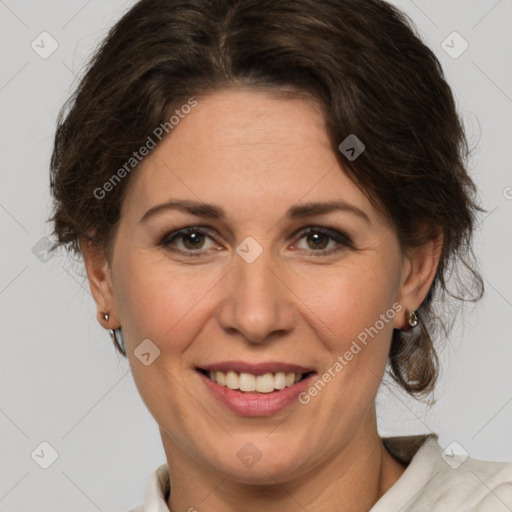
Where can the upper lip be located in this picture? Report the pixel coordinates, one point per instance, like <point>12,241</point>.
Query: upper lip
<point>255,368</point>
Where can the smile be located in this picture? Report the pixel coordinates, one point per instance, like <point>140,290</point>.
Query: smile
<point>247,382</point>
<point>256,389</point>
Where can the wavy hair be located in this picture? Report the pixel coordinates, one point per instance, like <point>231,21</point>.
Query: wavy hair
<point>365,64</point>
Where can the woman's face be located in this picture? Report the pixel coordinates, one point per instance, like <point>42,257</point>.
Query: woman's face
<point>248,285</point>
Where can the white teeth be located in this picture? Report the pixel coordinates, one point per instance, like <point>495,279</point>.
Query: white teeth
<point>280,380</point>
<point>231,380</point>
<point>247,382</point>
<point>264,383</point>
<point>220,378</point>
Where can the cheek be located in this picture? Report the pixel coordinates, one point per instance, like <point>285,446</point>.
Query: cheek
<point>165,305</point>
<point>159,302</point>
<point>352,311</point>
<point>351,314</point>
<point>350,297</point>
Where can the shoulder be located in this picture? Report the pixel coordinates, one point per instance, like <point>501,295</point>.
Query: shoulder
<point>477,485</point>
<point>442,480</point>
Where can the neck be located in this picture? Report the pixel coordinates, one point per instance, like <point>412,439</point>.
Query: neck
<point>351,480</point>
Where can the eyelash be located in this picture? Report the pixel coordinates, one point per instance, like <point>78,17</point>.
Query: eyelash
<point>342,240</point>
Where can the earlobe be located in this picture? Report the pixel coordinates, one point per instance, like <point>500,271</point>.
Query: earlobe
<point>418,274</point>
<point>100,282</point>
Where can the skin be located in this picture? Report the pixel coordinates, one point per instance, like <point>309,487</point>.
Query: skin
<point>255,155</point>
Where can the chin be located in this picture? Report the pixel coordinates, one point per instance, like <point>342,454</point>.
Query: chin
<point>262,462</point>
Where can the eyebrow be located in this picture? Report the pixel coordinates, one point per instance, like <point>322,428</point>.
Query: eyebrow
<point>298,211</point>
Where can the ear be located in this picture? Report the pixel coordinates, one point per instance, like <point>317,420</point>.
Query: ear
<point>100,283</point>
<point>418,272</point>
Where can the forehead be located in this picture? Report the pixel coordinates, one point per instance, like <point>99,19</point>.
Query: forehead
<point>244,148</point>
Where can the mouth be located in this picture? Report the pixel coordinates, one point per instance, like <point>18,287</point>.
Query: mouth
<point>256,389</point>
<point>246,382</point>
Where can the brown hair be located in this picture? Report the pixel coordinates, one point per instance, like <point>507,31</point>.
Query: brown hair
<point>363,61</point>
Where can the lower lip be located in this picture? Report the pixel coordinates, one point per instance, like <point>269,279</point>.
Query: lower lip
<point>257,404</point>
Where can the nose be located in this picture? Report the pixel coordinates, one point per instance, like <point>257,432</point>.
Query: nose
<point>257,303</point>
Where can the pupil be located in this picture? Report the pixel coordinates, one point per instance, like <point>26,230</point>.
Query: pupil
<point>315,238</point>
<point>194,238</point>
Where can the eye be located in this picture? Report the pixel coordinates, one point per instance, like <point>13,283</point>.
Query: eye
<point>192,241</point>
<point>318,239</point>
<point>187,240</point>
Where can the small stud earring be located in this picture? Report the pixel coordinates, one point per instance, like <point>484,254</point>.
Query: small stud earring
<point>119,342</point>
<point>413,319</point>
<point>106,316</point>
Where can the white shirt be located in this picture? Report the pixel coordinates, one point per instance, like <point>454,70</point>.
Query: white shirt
<point>432,482</point>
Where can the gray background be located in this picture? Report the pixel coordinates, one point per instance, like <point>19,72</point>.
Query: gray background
<point>62,382</point>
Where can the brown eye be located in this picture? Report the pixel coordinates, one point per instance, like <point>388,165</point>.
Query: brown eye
<point>318,240</point>
<point>187,240</point>
<point>193,240</point>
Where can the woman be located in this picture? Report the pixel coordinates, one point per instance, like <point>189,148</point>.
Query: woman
<point>269,197</point>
